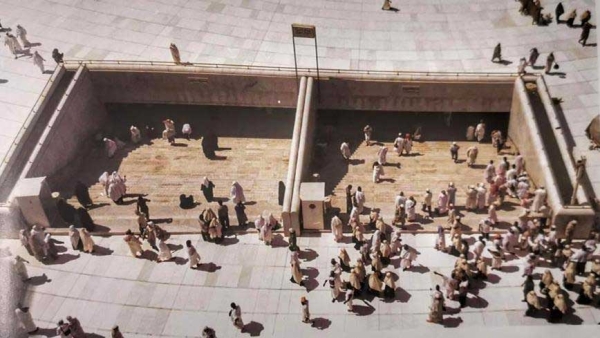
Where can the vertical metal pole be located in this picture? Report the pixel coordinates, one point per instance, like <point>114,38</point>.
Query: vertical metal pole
<point>318,78</point>
<point>295,63</point>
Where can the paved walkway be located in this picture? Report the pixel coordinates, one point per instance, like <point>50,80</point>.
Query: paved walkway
<point>426,35</point>
<point>168,299</point>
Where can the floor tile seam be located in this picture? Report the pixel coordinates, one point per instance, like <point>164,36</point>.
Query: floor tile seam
<point>32,289</point>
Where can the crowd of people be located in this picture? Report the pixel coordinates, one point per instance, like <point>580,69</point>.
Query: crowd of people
<point>19,45</point>
<point>531,236</point>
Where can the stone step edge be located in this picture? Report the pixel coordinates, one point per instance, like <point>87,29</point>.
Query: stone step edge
<point>65,232</point>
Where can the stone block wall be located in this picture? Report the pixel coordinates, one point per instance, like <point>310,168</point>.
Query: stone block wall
<point>196,89</point>
<point>78,116</point>
<point>417,95</point>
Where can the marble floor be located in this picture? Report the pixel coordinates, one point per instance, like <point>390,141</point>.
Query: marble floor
<point>169,299</point>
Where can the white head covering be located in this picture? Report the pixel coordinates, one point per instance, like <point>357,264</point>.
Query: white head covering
<point>206,182</point>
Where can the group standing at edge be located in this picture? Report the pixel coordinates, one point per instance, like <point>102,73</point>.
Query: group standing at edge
<point>23,48</point>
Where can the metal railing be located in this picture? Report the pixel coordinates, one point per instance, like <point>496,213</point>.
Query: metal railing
<point>286,69</point>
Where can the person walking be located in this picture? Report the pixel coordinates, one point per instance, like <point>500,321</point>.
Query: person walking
<point>368,131</point>
<point>115,332</point>
<point>533,56</point>
<point>22,34</point>
<point>142,207</point>
<point>76,328</point>
<point>345,150</point>
<point>585,33</point>
<point>454,152</point>
<point>497,53</point>
<point>584,18</point>
<point>521,68</point>
<point>25,320</point>
<point>38,60</point>
<point>350,199</point>
<point>207,188</point>
<point>175,54</point>
<point>88,242</point>
<point>336,227</point>
<point>12,44</point>
<point>560,10</point>
<point>57,56</point>
<point>193,254</point>
<point>18,266</point>
<point>240,214</point>
<point>349,296</point>
<point>223,214</point>
<point>306,311</point>
<point>235,314</point>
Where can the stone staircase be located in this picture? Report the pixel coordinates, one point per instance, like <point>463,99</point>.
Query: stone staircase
<point>163,172</point>
<point>428,167</point>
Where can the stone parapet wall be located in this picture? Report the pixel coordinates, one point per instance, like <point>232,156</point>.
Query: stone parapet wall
<point>291,174</point>
<point>417,94</point>
<point>195,89</point>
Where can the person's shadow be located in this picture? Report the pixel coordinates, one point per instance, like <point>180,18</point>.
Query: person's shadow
<point>321,323</point>
<point>254,328</point>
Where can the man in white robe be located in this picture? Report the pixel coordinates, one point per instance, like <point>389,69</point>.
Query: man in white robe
<point>259,223</point>
<point>336,227</point>
<point>38,60</point>
<point>110,146</point>
<point>368,131</point>
<point>480,131</point>
<point>490,172</point>
<point>381,155</point>
<point>511,173</point>
<point>237,193</point>
<point>442,203</point>
<point>136,136</point>
<point>519,163</point>
<point>400,200</point>
<point>345,150</point>
<point>539,199</point>
<point>22,34</point>
<point>470,133</point>
<point>25,320</point>
<point>354,216</point>
<point>399,144</point>
<point>522,189</point>
<point>360,199</point>
<point>18,264</point>
<point>408,144</point>
<point>472,153</point>
<point>451,190</point>
<point>13,44</point>
<point>481,193</point>
<point>410,206</point>
<point>471,202</point>
<point>235,314</point>
<point>377,172</point>
<point>169,132</point>
<point>186,131</point>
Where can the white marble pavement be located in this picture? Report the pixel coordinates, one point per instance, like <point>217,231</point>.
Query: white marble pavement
<point>168,299</point>
<point>425,35</point>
